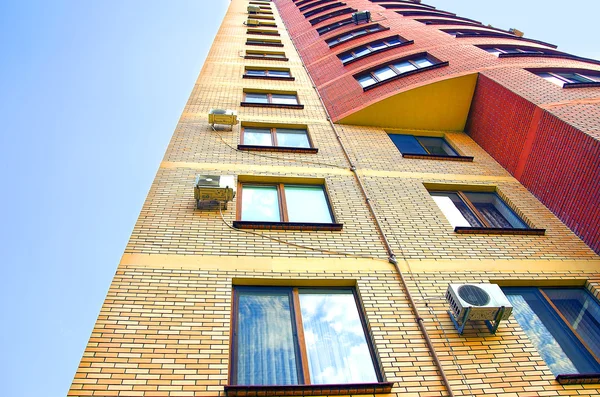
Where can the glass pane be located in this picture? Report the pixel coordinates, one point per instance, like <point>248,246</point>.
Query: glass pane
<point>494,51</point>
<point>366,81</point>
<point>551,78</point>
<point>436,146</point>
<point>591,77</point>
<point>384,73</point>
<point>455,210</point>
<point>260,203</point>
<point>393,41</point>
<point>274,55</point>
<point>555,343</point>
<point>256,98</point>
<point>359,52</point>
<point>346,57</point>
<point>359,32</point>
<point>378,45</point>
<point>512,51</point>
<point>265,341</point>
<point>374,29</point>
<point>257,136</point>
<point>251,72</point>
<point>581,311</point>
<point>423,62</point>
<point>284,99</point>
<point>404,67</point>
<point>307,204</point>
<point>344,37</point>
<point>292,138</point>
<point>407,144</point>
<point>279,73</point>
<point>495,211</point>
<point>335,340</point>
<point>574,77</point>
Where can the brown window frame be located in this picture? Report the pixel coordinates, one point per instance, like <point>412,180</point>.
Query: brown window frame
<point>284,224</point>
<point>264,32</point>
<point>270,103</point>
<point>265,55</point>
<point>265,17</point>
<point>266,76</point>
<point>304,388</point>
<point>274,145</point>
<point>263,43</point>
<point>487,228</point>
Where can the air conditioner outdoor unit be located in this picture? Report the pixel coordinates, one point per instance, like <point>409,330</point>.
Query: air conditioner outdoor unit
<point>210,190</point>
<point>484,302</point>
<point>222,116</point>
<point>361,16</point>
<point>253,22</point>
<point>252,9</point>
<point>516,32</point>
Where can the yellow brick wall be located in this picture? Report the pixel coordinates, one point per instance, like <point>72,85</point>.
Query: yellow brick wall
<point>164,327</point>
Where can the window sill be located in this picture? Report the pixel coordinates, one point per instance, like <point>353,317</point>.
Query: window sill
<point>287,225</point>
<point>309,390</point>
<point>245,76</point>
<point>270,105</point>
<point>581,85</point>
<point>498,230</point>
<point>437,157</point>
<point>268,58</point>
<point>278,149</point>
<point>265,44</point>
<point>409,73</point>
<point>405,43</point>
<point>578,379</point>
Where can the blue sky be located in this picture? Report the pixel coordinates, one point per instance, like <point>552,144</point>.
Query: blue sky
<point>91,93</point>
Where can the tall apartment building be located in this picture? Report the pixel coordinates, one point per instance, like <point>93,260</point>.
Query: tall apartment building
<point>378,158</point>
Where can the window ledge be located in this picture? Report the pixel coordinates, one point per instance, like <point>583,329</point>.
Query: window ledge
<point>245,76</point>
<point>271,105</point>
<point>578,379</point>
<point>409,73</point>
<point>498,230</point>
<point>263,58</point>
<point>266,44</point>
<point>287,225</point>
<point>278,149</point>
<point>581,85</point>
<point>437,157</point>
<point>308,390</point>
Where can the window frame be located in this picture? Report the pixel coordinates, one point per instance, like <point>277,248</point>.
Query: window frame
<point>436,63</point>
<point>274,147</point>
<point>270,102</point>
<point>486,228</point>
<point>353,34</point>
<point>578,378</point>
<point>323,8</point>
<point>261,55</point>
<point>306,5</point>
<point>545,52</point>
<point>403,42</point>
<point>267,76</point>
<point>284,223</point>
<point>337,13</point>
<point>264,32</point>
<point>334,26</point>
<point>568,84</point>
<point>263,42</point>
<point>429,155</point>
<point>304,387</point>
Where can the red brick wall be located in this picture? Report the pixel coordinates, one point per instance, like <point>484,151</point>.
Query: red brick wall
<point>558,163</point>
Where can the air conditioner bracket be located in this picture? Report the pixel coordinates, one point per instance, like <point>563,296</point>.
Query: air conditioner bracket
<point>492,326</point>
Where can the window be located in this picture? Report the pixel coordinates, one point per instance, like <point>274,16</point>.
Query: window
<point>313,4</point>
<point>405,66</point>
<point>425,147</point>
<point>372,48</point>
<point>271,99</point>
<point>571,78</point>
<point>276,139</point>
<point>264,42</point>
<point>432,13</point>
<point>278,56</point>
<point>331,15</point>
<point>324,8</point>
<point>563,324</point>
<point>478,33</point>
<point>480,212</point>
<point>332,42</point>
<point>263,16</point>
<point>265,32</point>
<point>264,73</point>
<point>284,206</point>
<point>336,25</point>
<point>301,336</point>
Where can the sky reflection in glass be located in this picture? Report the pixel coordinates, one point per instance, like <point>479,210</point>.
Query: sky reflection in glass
<point>335,341</point>
<point>307,204</point>
<point>260,203</point>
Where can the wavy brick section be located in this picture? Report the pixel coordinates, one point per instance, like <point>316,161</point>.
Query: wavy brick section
<point>557,162</point>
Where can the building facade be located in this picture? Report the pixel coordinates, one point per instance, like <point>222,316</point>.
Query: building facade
<point>377,159</point>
